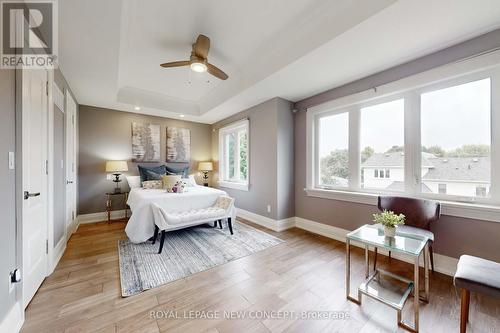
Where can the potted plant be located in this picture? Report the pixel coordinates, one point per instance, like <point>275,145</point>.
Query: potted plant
<point>389,220</point>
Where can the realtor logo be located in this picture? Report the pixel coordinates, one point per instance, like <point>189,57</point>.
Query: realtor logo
<point>29,34</point>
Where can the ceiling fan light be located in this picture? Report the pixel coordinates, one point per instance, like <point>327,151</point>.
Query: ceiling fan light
<point>198,67</point>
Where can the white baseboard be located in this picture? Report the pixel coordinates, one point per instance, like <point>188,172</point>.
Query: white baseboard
<point>442,264</point>
<point>100,217</point>
<point>14,319</point>
<point>275,225</point>
<point>57,254</point>
<point>71,228</point>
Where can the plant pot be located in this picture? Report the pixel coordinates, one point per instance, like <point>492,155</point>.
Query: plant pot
<point>389,231</point>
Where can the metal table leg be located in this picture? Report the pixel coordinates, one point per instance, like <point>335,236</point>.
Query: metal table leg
<point>367,262</point>
<point>416,299</point>
<point>348,273</point>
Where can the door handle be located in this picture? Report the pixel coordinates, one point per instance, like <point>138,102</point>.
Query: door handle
<point>28,195</point>
<point>69,182</point>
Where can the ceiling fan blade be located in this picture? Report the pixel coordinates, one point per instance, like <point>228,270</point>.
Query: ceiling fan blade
<point>216,72</point>
<point>202,46</point>
<point>175,64</point>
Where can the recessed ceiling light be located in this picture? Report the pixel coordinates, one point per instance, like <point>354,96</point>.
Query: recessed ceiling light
<point>182,116</point>
<point>137,108</point>
<point>198,67</point>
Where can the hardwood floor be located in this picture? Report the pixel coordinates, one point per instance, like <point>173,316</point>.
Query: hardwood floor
<point>306,273</point>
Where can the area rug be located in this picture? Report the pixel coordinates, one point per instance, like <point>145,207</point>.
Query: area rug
<point>186,252</point>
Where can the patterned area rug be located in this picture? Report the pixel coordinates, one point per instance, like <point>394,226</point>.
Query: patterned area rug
<point>186,252</point>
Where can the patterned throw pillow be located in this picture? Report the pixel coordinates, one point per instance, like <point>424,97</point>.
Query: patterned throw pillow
<point>152,184</point>
<point>169,181</point>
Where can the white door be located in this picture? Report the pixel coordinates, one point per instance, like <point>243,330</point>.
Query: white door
<point>34,174</point>
<point>70,163</point>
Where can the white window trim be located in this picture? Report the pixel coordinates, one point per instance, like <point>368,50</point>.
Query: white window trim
<point>410,88</point>
<point>236,126</point>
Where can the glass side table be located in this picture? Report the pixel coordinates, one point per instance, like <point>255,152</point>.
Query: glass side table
<point>388,288</point>
<point>109,198</point>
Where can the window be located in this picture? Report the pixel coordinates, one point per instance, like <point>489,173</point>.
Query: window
<point>382,145</point>
<point>428,135</point>
<point>455,126</point>
<point>234,156</point>
<point>333,150</point>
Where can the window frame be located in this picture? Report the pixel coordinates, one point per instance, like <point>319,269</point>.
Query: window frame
<point>224,180</point>
<point>410,88</point>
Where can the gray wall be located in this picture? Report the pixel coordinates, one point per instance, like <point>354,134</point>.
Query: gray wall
<point>271,156</point>
<point>454,236</point>
<point>106,134</point>
<point>285,167</point>
<point>7,188</point>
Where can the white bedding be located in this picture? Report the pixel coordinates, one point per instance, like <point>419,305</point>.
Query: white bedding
<point>140,227</point>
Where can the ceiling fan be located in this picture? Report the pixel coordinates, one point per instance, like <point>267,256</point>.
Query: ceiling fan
<point>198,60</point>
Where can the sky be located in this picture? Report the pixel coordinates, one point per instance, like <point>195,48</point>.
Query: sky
<point>450,118</point>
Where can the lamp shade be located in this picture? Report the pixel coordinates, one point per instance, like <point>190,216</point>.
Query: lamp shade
<point>205,166</point>
<point>116,166</point>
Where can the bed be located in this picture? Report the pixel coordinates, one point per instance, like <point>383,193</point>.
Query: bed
<point>141,225</point>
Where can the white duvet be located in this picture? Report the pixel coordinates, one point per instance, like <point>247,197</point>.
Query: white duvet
<point>141,225</point>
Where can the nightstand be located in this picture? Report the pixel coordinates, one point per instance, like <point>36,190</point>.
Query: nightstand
<point>109,198</point>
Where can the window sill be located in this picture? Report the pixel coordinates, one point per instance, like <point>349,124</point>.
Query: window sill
<point>234,185</point>
<point>459,209</point>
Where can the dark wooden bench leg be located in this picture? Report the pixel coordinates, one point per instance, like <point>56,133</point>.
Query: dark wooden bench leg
<point>220,224</point>
<point>375,259</point>
<point>464,310</point>
<point>155,236</point>
<point>162,240</point>
<point>230,225</point>
<point>215,223</point>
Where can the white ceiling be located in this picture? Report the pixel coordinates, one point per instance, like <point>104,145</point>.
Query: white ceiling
<point>110,51</point>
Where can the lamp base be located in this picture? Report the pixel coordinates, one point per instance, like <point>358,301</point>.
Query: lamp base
<point>205,178</point>
<point>117,180</point>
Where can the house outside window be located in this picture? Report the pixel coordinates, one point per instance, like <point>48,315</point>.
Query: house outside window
<point>234,166</point>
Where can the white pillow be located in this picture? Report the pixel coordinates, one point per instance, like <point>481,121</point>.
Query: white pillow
<point>134,181</point>
<point>190,182</point>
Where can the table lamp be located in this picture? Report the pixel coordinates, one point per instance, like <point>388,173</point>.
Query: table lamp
<point>205,168</point>
<point>116,167</point>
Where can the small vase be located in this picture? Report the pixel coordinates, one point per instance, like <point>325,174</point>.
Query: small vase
<point>389,231</point>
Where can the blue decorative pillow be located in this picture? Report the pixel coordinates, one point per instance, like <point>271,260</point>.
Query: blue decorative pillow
<point>153,175</point>
<point>161,170</point>
<point>183,171</point>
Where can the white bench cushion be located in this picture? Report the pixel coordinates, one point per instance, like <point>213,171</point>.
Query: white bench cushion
<point>176,220</point>
<point>194,215</point>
